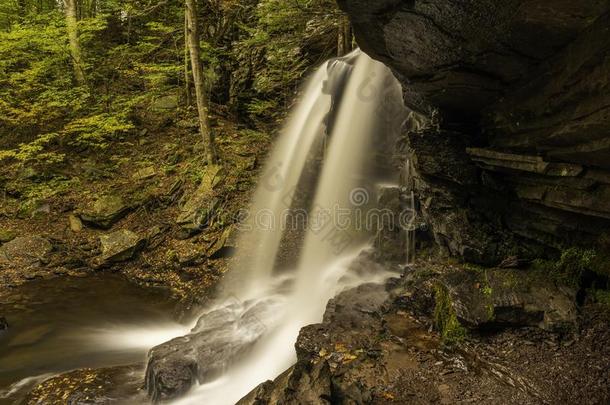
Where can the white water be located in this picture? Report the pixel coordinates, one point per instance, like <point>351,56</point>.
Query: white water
<point>282,172</point>
<point>328,250</point>
<point>298,298</point>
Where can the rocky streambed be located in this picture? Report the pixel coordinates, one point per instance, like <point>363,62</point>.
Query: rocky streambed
<point>435,333</point>
<point>396,343</point>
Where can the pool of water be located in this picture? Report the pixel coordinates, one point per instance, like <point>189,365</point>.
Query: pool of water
<point>68,323</point>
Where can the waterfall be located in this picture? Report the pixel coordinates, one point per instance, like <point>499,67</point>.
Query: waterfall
<point>345,106</point>
<point>259,245</point>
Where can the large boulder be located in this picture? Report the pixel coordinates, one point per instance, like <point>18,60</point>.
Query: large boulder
<point>119,246</point>
<point>25,251</point>
<point>510,297</point>
<point>332,354</point>
<point>201,206</point>
<point>105,212</point>
<point>90,386</point>
<point>218,339</point>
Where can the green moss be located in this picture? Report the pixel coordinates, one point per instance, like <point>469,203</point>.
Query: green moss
<point>475,268</point>
<point>602,297</point>
<point>490,312</point>
<point>568,270</point>
<point>445,318</point>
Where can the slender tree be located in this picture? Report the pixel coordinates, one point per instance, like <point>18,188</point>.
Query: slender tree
<point>198,80</point>
<point>75,51</point>
<point>187,80</point>
<point>344,36</point>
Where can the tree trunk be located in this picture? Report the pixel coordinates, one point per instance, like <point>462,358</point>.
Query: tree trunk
<point>187,80</point>
<point>71,24</point>
<point>198,81</point>
<point>341,40</point>
<point>344,37</point>
<point>349,36</point>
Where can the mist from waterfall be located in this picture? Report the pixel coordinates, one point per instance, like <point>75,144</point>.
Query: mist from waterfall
<point>292,299</point>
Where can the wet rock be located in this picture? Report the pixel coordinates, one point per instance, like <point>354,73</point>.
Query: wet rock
<point>76,225</point>
<point>217,340</point>
<point>89,386</point>
<point>374,352</point>
<point>119,246</point>
<point>326,351</point>
<point>390,238</point>
<point>106,211</point>
<point>25,251</point>
<point>201,207</point>
<point>301,384</point>
<point>510,298</point>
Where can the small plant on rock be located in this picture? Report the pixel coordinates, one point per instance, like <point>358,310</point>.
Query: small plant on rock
<point>445,318</point>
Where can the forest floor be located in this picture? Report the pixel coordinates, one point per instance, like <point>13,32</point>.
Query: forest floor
<point>154,172</point>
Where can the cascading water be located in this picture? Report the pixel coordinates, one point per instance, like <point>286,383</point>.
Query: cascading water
<point>344,108</point>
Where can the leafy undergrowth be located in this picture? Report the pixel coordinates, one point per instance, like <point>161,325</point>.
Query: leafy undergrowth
<point>571,266</point>
<point>40,198</point>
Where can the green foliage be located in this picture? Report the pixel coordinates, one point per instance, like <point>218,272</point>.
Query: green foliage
<point>254,53</point>
<point>568,270</point>
<point>96,130</point>
<point>602,297</point>
<point>445,319</point>
<point>285,39</point>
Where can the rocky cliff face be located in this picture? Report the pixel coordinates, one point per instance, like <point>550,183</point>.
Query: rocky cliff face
<point>509,142</point>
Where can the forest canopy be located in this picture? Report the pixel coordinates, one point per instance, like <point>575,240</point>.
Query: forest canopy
<point>79,75</point>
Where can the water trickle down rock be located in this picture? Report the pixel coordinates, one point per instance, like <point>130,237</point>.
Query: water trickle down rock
<point>106,211</point>
<point>198,211</point>
<point>389,241</point>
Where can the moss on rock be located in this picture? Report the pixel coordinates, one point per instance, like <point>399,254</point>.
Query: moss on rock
<point>445,318</point>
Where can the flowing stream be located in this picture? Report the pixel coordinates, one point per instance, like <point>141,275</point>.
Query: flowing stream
<point>66,323</point>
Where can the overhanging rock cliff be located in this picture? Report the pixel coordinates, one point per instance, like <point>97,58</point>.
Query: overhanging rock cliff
<point>513,156</point>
